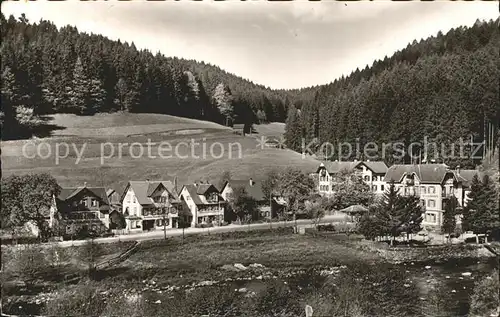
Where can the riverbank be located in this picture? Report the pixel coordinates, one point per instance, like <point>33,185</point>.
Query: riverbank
<point>254,273</point>
<point>432,253</point>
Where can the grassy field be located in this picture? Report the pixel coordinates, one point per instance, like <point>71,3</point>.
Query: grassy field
<point>94,156</point>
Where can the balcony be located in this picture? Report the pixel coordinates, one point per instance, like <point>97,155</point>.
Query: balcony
<point>82,216</point>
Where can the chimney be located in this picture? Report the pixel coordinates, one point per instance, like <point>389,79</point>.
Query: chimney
<point>458,170</point>
<point>175,184</point>
<point>147,180</point>
<point>251,182</point>
<point>84,184</point>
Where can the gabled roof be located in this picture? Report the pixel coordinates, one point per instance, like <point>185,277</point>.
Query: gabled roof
<point>197,193</point>
<point>337,167</point>
<point>68,193</point>
<point>110,192</point>
<point>377,167</point>
<point>255,190</point>
<point>144,189</point>
<point>203,188</point>
<point>426,173</point>
<point>466,176</point>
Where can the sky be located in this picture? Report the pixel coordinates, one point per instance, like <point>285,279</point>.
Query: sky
<point>277,44</point>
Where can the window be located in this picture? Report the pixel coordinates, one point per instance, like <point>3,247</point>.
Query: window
<point>382,187</point>
<point>134,200</point>
<point>423,190</point>
<point>326,187</point>
<point>431,203</point>
<point>431,218</point>
<point>422,202</point>
<point>128,198</point>
<point>432,190</point>
<point>374,188</point>
<point>93,202</point>
<point>444,191</point>
<point>135,210</point>
<point>101,215</point>
<point>85,202</point>
<point>375,178</point>
<point>367,178</point>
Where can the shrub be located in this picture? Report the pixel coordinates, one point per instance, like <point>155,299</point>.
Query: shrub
<point>328,227</point>
<point>82,300</point>
<point>484,299</point>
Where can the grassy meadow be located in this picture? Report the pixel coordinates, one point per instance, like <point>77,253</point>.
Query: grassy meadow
<point>88,137</point>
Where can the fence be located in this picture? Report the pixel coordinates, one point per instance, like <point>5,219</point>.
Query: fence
<point>119,258</point>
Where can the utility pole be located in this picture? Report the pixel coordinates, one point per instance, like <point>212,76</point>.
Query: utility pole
<point>163,209</point>
<point>270,210</point>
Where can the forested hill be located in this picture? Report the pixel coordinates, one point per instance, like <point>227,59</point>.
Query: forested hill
<point>443,87</point>
<point>53,70</point>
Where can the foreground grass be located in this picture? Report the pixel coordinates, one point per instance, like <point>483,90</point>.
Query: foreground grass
<point>134,288</point>
<point>201,257</point>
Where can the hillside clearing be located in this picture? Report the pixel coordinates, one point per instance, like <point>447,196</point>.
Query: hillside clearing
<point>93,151</point>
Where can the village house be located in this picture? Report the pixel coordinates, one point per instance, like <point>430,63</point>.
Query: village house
<point>205,203</point>
<point>372,173</point>
<point>114,199</point>
<point>239,128</point>
<point>434,184</point>
<point>83,209</point>
<point>150,205</point>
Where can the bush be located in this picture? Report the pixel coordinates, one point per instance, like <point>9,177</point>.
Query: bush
<point>204,225</point>
<point>82,300</point>
<point>484,299</point>
<point>328,227</point>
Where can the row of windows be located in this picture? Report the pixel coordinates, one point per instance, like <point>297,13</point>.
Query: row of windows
<point>375,178</point>
<point>420,190</point>
<point>209,209</point>
<point>324,188</point>
<point>85,202</point>
<point>430,218</point>
<point>430,203</point>
<point>374,188</point>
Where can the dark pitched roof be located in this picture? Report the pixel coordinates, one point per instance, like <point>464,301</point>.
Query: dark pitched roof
<point>377,167</point>
<point>465,176</point>
<point>197,191</point>
<point>202,188</point>
<point>68,193</point>
<point>427,173</point>
<point>255,190</point>
<point>144,189</point>
<point>336,167</point>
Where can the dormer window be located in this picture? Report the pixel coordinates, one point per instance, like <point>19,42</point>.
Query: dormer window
<point>84,202</point>
<point>93,202</point>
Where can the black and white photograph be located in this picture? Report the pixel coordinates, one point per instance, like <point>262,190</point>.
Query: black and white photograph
<point>250,158</point>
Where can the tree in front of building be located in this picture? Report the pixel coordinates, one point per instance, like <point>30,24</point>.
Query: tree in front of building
<point>481,213</point>
<point>392,216</point>
<point>295,187</point>
<point>28,198</point>
<point>449,217</point>
<point>242,204</point>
